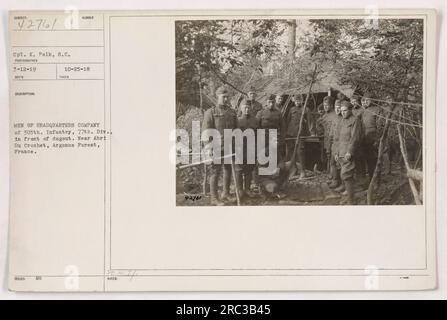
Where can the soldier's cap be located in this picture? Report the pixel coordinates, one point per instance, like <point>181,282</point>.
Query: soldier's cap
<point>347,104</point>
<point>329,99</point>
<point>271,97</point>
<point>337,102</point>
<point>221,90</point>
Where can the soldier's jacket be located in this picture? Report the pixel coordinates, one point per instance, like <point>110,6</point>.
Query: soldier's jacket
<point>335,131</point>
<point>348,136</point>
<point>255,107</point>
<point>292,121</point>
<point>249,122</point>
<point>357,112</point>
<point>245,123</point>
<point>370,118</point>
<point>219,117</point>
<point>319,128</point>
<point>271,119</point>
<point>327,121</point>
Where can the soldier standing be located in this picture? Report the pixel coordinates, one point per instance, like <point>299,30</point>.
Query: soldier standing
<point>245,170</point>
<point>279,99</point>
<point>292,123</point>
<point>356,107</point>
<point>334,166</point>
<point>346,148</point>
<point>270,118</point>
<point>360,161</point>
<point>254,106</point>
<point>327,120</point>
<point>220,117</point>
<point>370,117</point>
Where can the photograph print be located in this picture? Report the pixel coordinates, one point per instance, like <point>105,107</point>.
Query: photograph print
<point>273,112</point>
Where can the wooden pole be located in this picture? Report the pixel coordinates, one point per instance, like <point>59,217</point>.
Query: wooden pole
<point>403,150</point>
<point>236,187</point>
<point>205,171</point>
<point>300,128</point>
<point>292,168</point>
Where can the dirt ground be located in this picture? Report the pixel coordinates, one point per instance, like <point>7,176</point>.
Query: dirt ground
<point>312,190</point>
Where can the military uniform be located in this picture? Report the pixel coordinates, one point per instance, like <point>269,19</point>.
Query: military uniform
<point>360,161</point>
<point>369,119</point>
<point>220,117</point>
<point>271,119</point>
<point>244,171</point>
<point>348,140</point>
<point>327,121</point>
<point>357,111</point>
<point>334,166</point>
<point>254,108</point>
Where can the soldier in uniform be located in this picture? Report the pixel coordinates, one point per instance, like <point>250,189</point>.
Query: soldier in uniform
<point>244,171</point>
<point>319,128</point>
<point>370,116</point>
<point>279,100</point>
<point>292,123</point>
<point>270,118</point>
<point>346,148</point>
<point>254,106</point>
<point>356,107</point>
<point>327,120</point>
<point>360,161</point>
<point>220,117</point>
<point>334,166</point>
<point>341,96</point>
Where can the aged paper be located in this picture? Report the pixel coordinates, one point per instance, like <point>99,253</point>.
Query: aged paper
<point>110,186</point>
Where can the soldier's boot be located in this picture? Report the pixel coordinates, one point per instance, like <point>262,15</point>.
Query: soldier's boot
<point>340,188</point>
<point>247,185</point>
<point>337,180</point>
<point>349,185</point>
<point>226,186</point>
<point>333,176</point>
<point>213,191</point>
<point>301,159</point>
<point>240,185</point>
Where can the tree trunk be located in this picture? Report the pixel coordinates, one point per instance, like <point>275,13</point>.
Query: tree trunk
<point>291,38</point>
<point>403,150</point>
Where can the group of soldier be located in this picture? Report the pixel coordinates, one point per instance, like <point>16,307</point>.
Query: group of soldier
<point>349,127</point>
